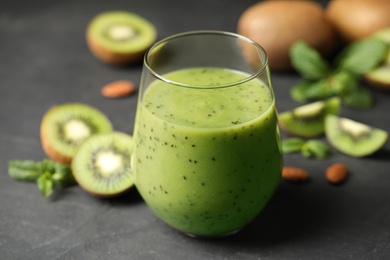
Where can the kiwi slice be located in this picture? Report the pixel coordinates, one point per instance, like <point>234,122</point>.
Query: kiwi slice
<point>380,76</point>
<point>101,164</point>
<point>119,37</point>
<point>308,120</point>
<point>353,138</point>
<point>64,127</point>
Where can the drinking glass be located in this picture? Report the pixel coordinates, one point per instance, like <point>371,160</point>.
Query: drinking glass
<point>207,155</point>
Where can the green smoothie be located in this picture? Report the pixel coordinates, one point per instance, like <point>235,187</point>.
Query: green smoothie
<point>207,158</point>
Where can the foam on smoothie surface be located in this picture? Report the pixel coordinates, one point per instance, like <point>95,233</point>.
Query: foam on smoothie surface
<point>215,107</point>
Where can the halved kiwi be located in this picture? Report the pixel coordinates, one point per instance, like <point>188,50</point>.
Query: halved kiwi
<point>64,127</point>
<point>380,76</point>
<point>308,120</point>
<point>120,37</point>
<point>353,138</point>
<point>101,164</point>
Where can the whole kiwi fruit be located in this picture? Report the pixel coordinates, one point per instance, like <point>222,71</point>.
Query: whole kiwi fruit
<point>276,25</point>
<point>358,19</point>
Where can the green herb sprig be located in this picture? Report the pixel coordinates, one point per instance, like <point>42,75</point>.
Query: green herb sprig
<point>46,173</point>
<point>308,148</point>
<point>341,78</point>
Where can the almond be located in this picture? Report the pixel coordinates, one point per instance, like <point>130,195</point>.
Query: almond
<point>295,174</point>
<point>336,173</point>
<point>117,89</point>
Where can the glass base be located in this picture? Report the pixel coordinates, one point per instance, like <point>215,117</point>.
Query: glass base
<point>212,236</point>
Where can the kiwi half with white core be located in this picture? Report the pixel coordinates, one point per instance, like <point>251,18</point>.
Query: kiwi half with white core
<point>101,165</point>
<point>64,127</point>
<point>353,138</point>
<point>308,120</point>
<point>119,37</point>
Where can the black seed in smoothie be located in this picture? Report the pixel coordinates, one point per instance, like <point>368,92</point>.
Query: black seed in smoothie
<point>213,158</point>
<point>193,145</point>
<point>184,178</point>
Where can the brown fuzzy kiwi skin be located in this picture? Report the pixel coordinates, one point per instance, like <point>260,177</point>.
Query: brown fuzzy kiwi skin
<point>110,56</point>
<point>49,150</point>
<point>357,19</point>
<point>276,25</point>
<point>52,153</point>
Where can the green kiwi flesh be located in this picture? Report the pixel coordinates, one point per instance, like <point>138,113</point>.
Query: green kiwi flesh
<point>380,76</point>
<point>308,120</point>
<point>120,37</point>
<point>101,165</point>
<point>64,127</point>
<point>353,138</point>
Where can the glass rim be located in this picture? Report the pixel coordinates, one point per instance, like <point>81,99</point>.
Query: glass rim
<point>251,76</point>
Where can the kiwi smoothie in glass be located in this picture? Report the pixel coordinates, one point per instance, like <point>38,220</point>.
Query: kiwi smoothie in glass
<point>207,154</point>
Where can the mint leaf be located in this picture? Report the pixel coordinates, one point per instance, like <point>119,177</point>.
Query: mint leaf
<point>63,177</point>
<point>308,61</point>
<point>315,149</point>
<point>320,89</point>
<point>292,145</point>
<point>45,184</point>
<point>27,170</point>
<point>342,82</point>
<point>362,56</point>
<point>298,91</point>
<point>46,173</point>
<point>359,98</point>
<point>308,90</point>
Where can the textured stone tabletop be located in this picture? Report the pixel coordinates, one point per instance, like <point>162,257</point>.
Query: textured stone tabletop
<point>44,60</point>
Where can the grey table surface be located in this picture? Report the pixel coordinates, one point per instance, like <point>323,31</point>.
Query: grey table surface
<point>44,61</point>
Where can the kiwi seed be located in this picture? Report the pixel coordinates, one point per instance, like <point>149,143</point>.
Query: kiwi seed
<point>101,165</point>
<point>308,120</point>
<point>353,138</point>
<point>64,127</point>
<point>119,37</point>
